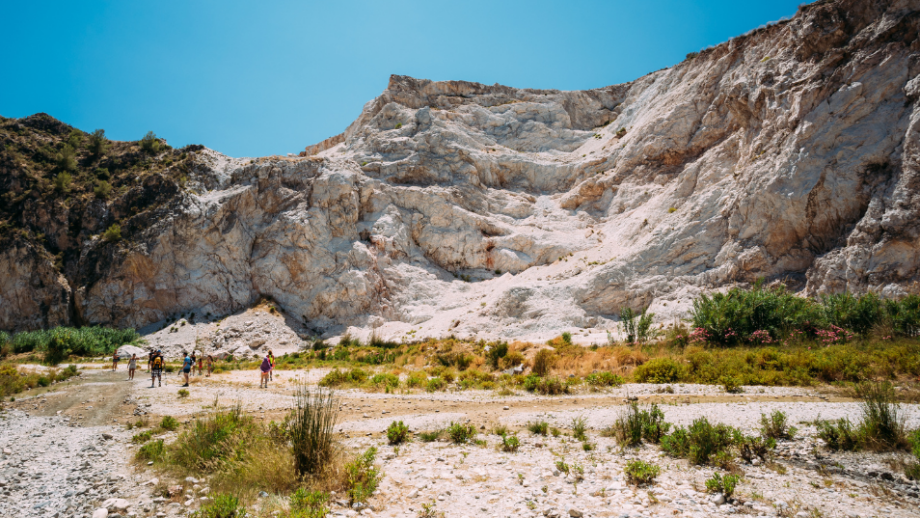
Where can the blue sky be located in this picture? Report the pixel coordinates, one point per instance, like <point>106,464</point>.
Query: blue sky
<point>270,77</point>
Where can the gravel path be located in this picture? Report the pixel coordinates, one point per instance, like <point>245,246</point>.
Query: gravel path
<point>52,469</point>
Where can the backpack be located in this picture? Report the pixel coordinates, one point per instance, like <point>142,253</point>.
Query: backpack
<point>157,362</point>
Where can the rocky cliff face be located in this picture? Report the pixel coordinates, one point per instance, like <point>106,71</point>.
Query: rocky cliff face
<point>790,153</point>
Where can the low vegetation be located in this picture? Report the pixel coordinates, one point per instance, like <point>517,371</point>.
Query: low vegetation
<point>241,456</point>
<point>641,473</point>
<point>60,343</point>
<point>12,381</point>
<point>881,427</point>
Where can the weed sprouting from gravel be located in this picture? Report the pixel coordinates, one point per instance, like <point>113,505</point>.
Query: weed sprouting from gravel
<point>725,485</point>
<point>362,476</point>
<point>633,425</point>
<point>579,428</point>
<point>430,436</point>
<point>397,432</point>
<point>538,427</point>
<point>641,473</point>
<point>461,433</point>
<point>776,426</point>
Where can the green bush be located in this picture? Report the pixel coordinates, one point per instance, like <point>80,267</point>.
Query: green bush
<point>725,485</point>
<point>387,381</point>
<point>658,370</point>
<point>604,379</point>
<point>112,234</point>
<point>435,384</point>
<point>545,386</point>
<point>701,442</point>
<point>309,504</point>
<point>362,476</point>
<point>882,419</point>
<point>150,144</point>
<point>397,432</point>
<point>641,473</point>
<point>733,317</point>
<point>140,438</point>
<point>731,384</point>
<point>210,440</point>
<point>580,428</point>
<point>416,379</point>
<point>567,338</point>
<point>461,433</point>
<point>152,451</point>
<point>840,435</point>
<point>337,378</point>
<point>776,426</point>
<point>85,341</point>
<point>510,443</point>
<point>222,506</point>
<point>538,427</point>
<point>169,423</point>
<point>183,393</point>
<point>633,425</point>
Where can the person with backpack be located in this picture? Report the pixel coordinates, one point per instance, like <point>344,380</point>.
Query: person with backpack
<point>156,368</point>
<point>187,367</point>
<point>266,368</point>
<point>271,359</point>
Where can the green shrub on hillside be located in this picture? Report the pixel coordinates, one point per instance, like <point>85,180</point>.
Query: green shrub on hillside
<point>658,370</point>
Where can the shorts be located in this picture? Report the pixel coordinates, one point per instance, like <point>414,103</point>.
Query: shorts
<point>156,373</point>
<point>186,371</point>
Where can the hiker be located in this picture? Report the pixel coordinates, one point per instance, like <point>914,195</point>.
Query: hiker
<point>271,358</point>
<point>150,355</point>
<point>200,360</point>
<point>266,368</point>
<point>210,364</point>
<point>187,368</point>
<point>156,368</point>
<point>115,361</point>
<point>193,363</point>
<point>132,366</point>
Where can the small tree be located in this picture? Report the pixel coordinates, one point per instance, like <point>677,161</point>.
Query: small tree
<point>66,159</point>
<point>150,143</point>
<point>98,144</point>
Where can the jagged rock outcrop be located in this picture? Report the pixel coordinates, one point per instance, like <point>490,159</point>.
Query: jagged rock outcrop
<point>790,153</point>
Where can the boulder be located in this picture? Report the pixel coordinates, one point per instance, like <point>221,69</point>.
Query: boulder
<point>125,351</point>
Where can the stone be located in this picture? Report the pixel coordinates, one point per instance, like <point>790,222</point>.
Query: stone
<point>101,512</point>
<point>575,513</point>
<point>116,504</point>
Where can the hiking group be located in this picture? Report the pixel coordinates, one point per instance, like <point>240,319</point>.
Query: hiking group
<point>266,368</point>
<point>156,363</point>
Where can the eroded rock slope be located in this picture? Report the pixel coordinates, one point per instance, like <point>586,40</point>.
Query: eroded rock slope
<point>789,153</point>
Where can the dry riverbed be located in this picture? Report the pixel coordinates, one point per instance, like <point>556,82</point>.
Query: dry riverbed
<point>66,452</point>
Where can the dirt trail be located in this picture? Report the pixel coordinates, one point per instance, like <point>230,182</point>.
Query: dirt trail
<point>94,399</point>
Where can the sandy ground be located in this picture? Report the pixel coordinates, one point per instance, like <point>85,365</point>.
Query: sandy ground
<point>481,480</point>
